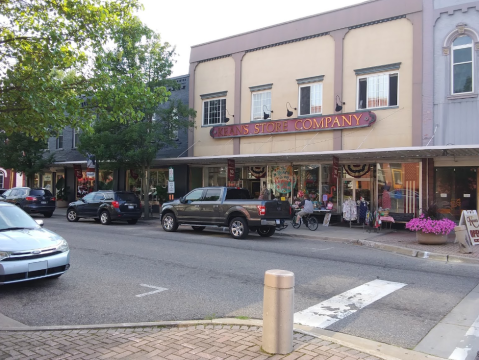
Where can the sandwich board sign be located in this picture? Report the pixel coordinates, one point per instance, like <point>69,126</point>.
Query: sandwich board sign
<point>470,219</point>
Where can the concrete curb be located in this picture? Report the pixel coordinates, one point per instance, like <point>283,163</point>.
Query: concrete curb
<point>385,351</point>
<point>395,249</point>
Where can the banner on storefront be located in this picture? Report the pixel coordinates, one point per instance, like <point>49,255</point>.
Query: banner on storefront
<point>277,127</point>
<point>78,171</point>
<point>335,171</point>
<point>357,171</point>
<point>470,219</point>
<point>231,170</point>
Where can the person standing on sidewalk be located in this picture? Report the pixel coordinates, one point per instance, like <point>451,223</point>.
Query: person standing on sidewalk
<point>307,208</point>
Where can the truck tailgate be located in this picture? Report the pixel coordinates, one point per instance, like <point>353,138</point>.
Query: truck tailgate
<point>276,209</point>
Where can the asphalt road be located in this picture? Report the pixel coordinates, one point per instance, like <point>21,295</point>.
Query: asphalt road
<point>211,275</point>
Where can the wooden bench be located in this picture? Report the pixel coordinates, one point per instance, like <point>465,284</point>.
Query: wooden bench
<point>401,218</point>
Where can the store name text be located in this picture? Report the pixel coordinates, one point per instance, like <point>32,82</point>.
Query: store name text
<point>328,122</point>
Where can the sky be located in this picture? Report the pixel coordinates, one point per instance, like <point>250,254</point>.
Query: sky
<point>184,23</point>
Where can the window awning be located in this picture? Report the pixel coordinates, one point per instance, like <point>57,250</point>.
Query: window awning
<point>345,156</point>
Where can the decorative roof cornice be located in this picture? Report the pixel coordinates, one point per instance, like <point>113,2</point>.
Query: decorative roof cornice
<point>377,22</point>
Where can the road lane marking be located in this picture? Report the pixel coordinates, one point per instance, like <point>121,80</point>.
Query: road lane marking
<point>158,289</point>
<point>338,307</point>
<point>471,338</point>
<point>315,249</point>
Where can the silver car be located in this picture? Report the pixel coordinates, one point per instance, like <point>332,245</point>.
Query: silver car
<point>27,251</point>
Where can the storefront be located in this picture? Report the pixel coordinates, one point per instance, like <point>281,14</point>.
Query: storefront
<point>397,180</point>
<point>455,190</point>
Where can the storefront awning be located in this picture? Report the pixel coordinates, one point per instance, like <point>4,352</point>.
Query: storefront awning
<point>345,156</point>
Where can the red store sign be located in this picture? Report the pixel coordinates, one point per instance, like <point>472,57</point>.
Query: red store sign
<point>321,123</point>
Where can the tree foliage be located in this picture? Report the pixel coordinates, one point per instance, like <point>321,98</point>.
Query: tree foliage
<point>24,154</point>
<point>131,127</point>
<point>39,39</point>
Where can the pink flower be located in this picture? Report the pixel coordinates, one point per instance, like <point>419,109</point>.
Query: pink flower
<point>429,226</point>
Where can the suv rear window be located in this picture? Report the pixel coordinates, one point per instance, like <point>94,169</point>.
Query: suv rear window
<point>126,197</point>
<point>40,192</point>
<point>237,194</point>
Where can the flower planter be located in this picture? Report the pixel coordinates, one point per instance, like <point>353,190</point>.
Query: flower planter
<point>430,238</point>
<point>62,203</point>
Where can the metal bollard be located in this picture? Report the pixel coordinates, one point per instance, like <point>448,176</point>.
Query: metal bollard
<point>278,311</point>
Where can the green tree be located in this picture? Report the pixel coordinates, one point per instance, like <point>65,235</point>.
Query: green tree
<point>24,154</point>
<point>133,76</point>
<point>39,39</point>
<point>135,145</point>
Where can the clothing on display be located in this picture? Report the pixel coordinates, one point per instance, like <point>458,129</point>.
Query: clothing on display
<point>386,203</point>
<point>350,211</point>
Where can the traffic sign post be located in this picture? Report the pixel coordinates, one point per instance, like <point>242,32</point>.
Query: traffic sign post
<point>171,187</point>
<point>171,175</point>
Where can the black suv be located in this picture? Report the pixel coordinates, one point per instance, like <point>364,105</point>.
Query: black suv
<point>39,201</point>
<point>106,206</point>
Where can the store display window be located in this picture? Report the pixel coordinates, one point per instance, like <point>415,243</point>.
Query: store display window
<point>398,187</point>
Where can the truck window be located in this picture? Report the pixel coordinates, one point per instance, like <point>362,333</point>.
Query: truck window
<point>237,194</point>
<point>195,195</point>
<point>212,195</point>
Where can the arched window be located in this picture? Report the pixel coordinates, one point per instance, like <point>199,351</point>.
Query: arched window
<point>462,65</point>
<point>1,180</point>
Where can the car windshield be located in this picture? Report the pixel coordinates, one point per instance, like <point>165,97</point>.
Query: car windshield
<point>40,192</point>
<point>126,197</point>
<point>12,217</point>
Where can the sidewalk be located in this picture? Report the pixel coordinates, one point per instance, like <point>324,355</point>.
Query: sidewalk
<point>400,241</point>
<point>230,339</point>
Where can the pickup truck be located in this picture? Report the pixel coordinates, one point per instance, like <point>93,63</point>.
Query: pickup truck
<point>226,207</point>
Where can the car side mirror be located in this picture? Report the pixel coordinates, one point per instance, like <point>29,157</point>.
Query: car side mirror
<point>182,200</point>
<point>39,222</point>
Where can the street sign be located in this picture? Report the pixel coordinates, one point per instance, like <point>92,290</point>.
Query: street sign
<point>171,187</point>
<point>171,175</point>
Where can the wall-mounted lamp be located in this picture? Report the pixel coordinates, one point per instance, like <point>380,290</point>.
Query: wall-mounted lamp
<point>226,119</point>
<point>266,115</point>
<point>339,104</point>
<point>289,113</point>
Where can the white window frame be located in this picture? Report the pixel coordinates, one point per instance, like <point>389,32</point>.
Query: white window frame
<point>320,83</point>
<point>203,111</point>
<point>471,46</point>
<point>262,105</point>
<point>388,73</point>
<point>76,132</point>
<point>174,127</point>
<point>57,142</point>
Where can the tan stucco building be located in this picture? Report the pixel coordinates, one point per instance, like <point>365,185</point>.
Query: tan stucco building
<point>330,105</point>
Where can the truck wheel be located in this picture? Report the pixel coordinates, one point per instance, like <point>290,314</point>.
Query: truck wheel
<point>198,228</point>
<point>169,222</point>
<point>266,231</point>
<point>239,228</point>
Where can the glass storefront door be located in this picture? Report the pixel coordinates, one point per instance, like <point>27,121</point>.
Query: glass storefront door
<point>355,189</point>
<point>455,190</point>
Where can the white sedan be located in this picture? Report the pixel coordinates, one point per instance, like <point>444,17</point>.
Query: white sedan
<point>27,251</point>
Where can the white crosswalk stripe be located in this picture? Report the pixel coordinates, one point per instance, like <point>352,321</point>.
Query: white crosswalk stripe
<point>466,345</point>
<point>338,307</point>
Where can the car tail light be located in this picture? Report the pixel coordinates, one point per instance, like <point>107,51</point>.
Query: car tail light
<point>31,198</point>
<point>115,204</point>
<point>52,199</point>
<point>261,209</point>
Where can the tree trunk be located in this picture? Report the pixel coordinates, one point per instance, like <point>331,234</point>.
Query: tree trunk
<point>147,193</point>
<point>145,183</point>
<point>30,180</point>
